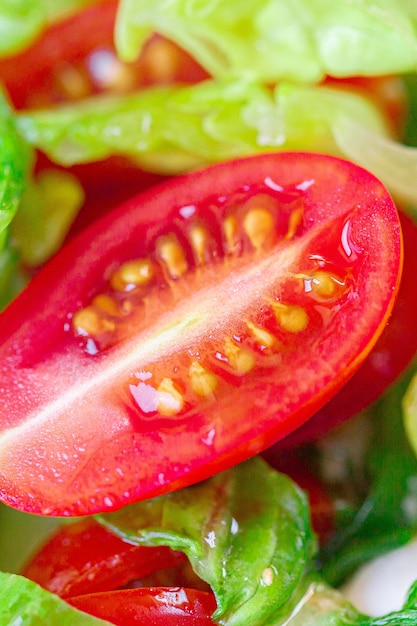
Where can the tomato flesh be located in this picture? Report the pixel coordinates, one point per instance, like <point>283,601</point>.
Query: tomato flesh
<point>157,606</point>
<point>84,558</point>
<point>190,329</point>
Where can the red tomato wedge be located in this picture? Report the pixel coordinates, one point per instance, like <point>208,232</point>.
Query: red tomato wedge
<point>191,328</point>
<point>158,606</point>
<point>85,557</point>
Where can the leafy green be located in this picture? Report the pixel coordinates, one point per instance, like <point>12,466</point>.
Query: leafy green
<point>252,555</point>
<point>409,404</point>
<point>15,163</point>
<point>174,129</point>
<point>24,603</point>
<point>21,21</point>
<point>246,532</point>
<point>268,40</point>
<point>387,517</point>
<point>21,535</point>
<point>392,162</point>
<point>12,276</point>
<point>315,603</point>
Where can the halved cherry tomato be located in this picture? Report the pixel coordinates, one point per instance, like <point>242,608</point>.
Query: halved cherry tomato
<point>84,557</point>
<point>191,328</point>
<point>392,353</point>
<point>159,606</point>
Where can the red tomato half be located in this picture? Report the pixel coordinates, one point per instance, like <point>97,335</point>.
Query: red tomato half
<point>191,328</point>
<point>171,606</point>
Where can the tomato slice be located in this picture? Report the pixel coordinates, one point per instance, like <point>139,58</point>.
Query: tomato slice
<point>84,558</point>
<point>191,328</point>
<point>158,606</point>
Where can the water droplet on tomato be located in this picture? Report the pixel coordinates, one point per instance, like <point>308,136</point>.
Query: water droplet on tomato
<point>349,248</point>
<point>108,502</point>
<point>91,347</point>
<point>208,439</point>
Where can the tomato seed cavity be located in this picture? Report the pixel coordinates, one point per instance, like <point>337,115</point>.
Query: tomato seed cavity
<point>251,226</point>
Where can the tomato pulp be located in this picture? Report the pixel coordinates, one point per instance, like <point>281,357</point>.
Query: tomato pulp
<point>191,328</point>
<point>158,606</point>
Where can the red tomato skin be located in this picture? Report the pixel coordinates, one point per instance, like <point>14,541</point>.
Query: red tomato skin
<point>84,557</point>
<point>171,606</point>
<point>40,458</point>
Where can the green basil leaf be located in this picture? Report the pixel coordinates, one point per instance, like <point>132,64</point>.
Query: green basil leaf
<point>245,531</point>
<point>22,602</point>
<point>297,40</point>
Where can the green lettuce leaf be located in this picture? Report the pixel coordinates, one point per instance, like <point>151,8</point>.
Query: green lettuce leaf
<point>392,162</point>
<point>24,603</point>
<point>245,531</point>
<point>21,21</point>
<point>12,276</point>
<point>47,210</point>
<point>173,129</point>
<point>15,164</point>
<point>268,40</point>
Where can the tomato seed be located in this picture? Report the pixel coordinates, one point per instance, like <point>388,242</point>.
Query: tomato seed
<point>172,255</point>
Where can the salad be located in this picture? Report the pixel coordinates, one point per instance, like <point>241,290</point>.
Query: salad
<point>208,319</point>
